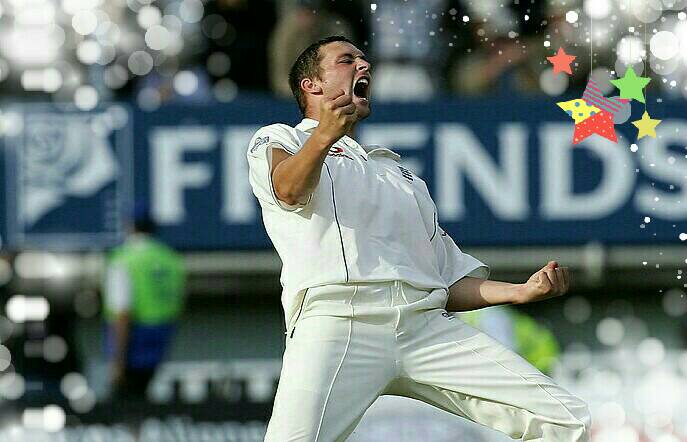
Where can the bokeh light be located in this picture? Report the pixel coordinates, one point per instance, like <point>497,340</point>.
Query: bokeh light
<point>12,386</point>
<point>651,351</point>
<point>610,331</point>
<point>664,45</point>
<point>157,37</point>
<point>140,63</point>
<point>553,84</point>
<point>577,309</point>
<point>630,50</point>
<point>5,358</point>
<point>598,9</point>
<point>675,302</point>
<point>86,98</point>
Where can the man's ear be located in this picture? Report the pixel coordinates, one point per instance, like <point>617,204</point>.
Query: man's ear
<point>310,87</point>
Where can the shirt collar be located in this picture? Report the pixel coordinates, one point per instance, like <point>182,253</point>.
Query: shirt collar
<point>308,124</point>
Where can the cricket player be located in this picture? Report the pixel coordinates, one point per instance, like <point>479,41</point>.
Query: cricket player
<point>369,279</point>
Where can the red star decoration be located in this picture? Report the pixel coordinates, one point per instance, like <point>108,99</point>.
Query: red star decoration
<point>561,62</point>
<point>601,123</point>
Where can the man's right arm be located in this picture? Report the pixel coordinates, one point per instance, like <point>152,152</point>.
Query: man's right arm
<point>295,177</point>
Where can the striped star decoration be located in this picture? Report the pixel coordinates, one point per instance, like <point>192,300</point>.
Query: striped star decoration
<point>593,114</point>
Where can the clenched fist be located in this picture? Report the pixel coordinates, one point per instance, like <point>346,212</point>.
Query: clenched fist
<point>550,281</point>
<point>337,115</point>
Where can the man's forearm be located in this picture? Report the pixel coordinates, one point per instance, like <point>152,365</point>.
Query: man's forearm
<point>474,293</point>
<point>296,177</point>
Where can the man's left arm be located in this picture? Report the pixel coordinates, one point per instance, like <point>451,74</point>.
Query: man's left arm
<point>118,300</point>
<point>471,293</point>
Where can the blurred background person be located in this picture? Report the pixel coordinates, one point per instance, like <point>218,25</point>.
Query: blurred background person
<point>236,35</point>
<point>143,302</point>
<point>519,332</point>
<point>301,22</point>
<point>411,41</point>
<point>165,94</point>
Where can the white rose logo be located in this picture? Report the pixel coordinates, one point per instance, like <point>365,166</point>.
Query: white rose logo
<point>63,156</point>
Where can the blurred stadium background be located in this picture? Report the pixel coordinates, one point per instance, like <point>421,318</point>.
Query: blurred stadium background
<point>107,103</point>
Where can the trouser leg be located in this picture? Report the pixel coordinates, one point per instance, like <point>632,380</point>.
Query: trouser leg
<point>462,370</point>
<point>333,370</point>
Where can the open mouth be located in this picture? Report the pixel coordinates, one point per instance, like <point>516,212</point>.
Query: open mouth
<point>361,88</point>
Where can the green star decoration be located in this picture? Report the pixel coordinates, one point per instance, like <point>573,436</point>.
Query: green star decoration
<point>631,85</point>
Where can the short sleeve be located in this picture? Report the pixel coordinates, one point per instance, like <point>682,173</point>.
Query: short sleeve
<point>453,263</point>
<point>117,289</point>
<point>259,156</point>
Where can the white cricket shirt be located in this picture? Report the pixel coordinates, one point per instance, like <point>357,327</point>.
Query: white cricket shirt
<point>369,219</point>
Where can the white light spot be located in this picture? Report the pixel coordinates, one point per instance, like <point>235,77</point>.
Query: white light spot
<point>610,331</point>
<point>664,45</point>
<point>86,97</point>
<point>373,7</point>
<point>683,236</point>
<point>191,11</point>
<point>107,55</point>
<point>597,8</point>
<point>115,76</point>
<point>225,90</point>
<point>634,147</point>
<point>157,37</point>
<point>547,43</point>
<point>185,82</point>
<point>466,19</point>
<point>84,22</point>
<point>73,385</point>
<point>149,99</point>
<point>12,386</point>
<point>52,80</point>
<point>5,358</point>
<point>54,418</point>
<point>553,84</point>
<point>54,348</point>
<point>611,413</point>
<point>140,63</point>
<point>571,17</point>
<point>630,50</point>
<point>85,403</point>
<point>675,302</point>
<point>88,52</point>
<point>681,15</point>
<point>20,308</point>
<point>149,16</point>
<point>651,351</point>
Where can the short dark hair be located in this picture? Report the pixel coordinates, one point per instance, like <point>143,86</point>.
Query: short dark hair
<point>307,65</point>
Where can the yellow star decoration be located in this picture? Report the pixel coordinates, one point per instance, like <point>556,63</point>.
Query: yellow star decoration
<point>646,126</point>
<point>578,109</point>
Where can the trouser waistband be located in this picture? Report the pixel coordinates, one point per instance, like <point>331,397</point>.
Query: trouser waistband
<point>353,299</point>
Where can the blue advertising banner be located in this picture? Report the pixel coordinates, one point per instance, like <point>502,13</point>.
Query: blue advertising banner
<point>502,170</point>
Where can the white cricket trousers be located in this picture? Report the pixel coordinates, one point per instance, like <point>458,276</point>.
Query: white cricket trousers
<point>353,342</point>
